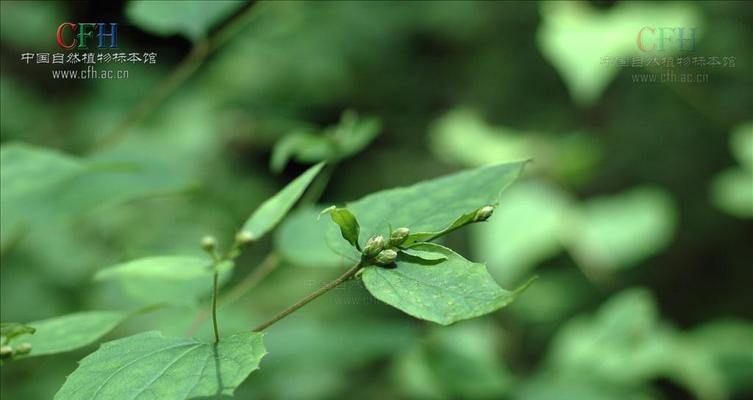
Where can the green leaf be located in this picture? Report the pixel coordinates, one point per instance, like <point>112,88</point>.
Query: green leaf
<point>301,240</point>
<point>439,291</point>
<point>428,208</point>
<point>741,143</point>
<point>347,222</point>
<point>525,230</point>
<point>29,176</point>
<point>191,19</point>
<point>351,135</point>
<point>69,332</point>
<point>9,330</point>
<point>618,231</point>
<point>149,365</point>
<point>574,36</point>
<point>165,279</point>
<point>274,209</point>
<point>457,362</point>
<point>626,342</point>
<point>732,191</point>
<point>463,136</point>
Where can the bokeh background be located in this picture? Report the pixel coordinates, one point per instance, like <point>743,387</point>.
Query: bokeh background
<point>635,213</point>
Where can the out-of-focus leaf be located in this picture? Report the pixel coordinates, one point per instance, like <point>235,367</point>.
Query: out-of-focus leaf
<point>574,37</point>
<point>741,143</point>
<point>627,344</point>
<point>724,341</point>
<point>300,239</point>
<point>463,136</point>
<point>168,279</point>
<point>22,21</point>
<point>441,291</point>
<point>28,176</point>
<point>349,137</point>
<point>149,364</point>
<point>192,19</point>
<point>427,207</point>
<point>732,191</point>
<point>618,231</point>
<point>346,221</point>
<point>461,361</point>
<point>525,230</point>
<point>274,209</point>
<point>69,332</point>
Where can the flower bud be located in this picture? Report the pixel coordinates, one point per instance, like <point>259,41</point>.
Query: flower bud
<point>483,213</point>
<point>373,246</point>
<point>398,236</point>
<point>208,243</point>
<point>23,348</point>
<point>386,257</point>
<point>6,351</point>
<point>244,237</point>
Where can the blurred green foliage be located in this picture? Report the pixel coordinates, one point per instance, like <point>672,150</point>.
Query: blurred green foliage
<point>635,212</point>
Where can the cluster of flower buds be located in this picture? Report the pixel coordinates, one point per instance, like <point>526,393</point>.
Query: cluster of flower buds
<point>8,351</point>
<point>381,251</point>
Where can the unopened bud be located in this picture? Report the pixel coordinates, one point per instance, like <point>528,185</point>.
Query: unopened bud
<point>386,257</point>
<point>23,348</point>
<point>483,213</point>
<point>6,351</point>
<point>398,236</point>
<point>373,246</point>
<point>208,243</point>
<point>244,237</point>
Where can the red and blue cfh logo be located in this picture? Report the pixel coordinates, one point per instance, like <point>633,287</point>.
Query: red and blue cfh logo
<point>82,31</point>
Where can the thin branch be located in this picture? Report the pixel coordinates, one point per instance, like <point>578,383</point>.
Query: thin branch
<point>201,49</point>
<point>270,263</point>
<point>324,289</point>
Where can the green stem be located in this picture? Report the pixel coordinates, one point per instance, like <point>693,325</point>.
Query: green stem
<point>324,289</point>
<point>214,306</point>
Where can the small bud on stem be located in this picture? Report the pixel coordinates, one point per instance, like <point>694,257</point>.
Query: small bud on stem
<point>483,213</point>
<point>208,243</point>
<point>244,237</point>
<point>398,236</point>
<point>23,348</point>
<point>386,257</point>
<point>373,246</point>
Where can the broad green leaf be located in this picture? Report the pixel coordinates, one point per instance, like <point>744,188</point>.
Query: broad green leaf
<point>29,176</point>
<point>525,230</point>
<point>192,19</point>
<point>149,365</point>
<point>274,209</point>
<point>574,36</point>
<point>69,332</point>
<point>9,330</point>
<point>618,231</point>
<point>463,136</point>
<point>741,143</point>
<point>351,135</point>
<point>441,291</point>
<point>347,222</point>
<point>627,343</point>
<point>732,191</point>
<point>457,362</point>
<point>165,279</point>
<point>428,208</point>
<point>300,239</point>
